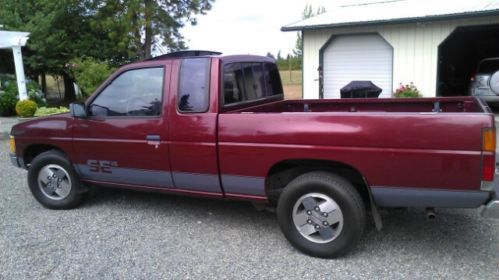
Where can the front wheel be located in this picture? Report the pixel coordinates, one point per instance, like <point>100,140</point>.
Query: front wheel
<point>53,182</point>
<point>321,214</point>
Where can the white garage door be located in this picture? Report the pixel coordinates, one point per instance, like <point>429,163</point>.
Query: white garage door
<point>357,58</point>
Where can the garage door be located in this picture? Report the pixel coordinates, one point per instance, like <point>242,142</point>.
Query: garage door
<point>357,58</point>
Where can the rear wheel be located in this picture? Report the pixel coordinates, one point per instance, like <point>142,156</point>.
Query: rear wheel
<point>53,182</point>
<point>321,214</point>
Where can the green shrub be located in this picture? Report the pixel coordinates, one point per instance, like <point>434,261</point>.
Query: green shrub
<point>26,108</point>
<point>291,63</point>
<point>8,102</point>
<point>407,91</point>
<point>8,83</point>
<point>89,73</point>
<point>5,78</point>
<point>46,111</point>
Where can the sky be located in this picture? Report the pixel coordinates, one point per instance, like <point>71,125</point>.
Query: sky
<point>248,26</point>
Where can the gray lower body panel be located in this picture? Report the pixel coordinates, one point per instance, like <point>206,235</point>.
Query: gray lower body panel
<point>153,178</point>
<point>244,185</point>
<point>419,197</point>
<point>197,182</point>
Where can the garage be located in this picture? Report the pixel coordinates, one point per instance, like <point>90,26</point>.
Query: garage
<point>357,58</point>
<point>436,47</point>
<point>459,55</point>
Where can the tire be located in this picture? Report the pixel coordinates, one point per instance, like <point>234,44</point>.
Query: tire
<point>53,181</point>
<point>303,204</point>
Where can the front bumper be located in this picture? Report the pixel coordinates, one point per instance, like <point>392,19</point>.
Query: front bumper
<point>16,161</point>
<point>491,209</point>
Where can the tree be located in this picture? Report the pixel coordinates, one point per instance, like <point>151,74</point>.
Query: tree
<point>308,12</point>
<point>113,31</point>
<point>148,22</point>
<point>279,56</point>
<point>55,30</point>
<point>269,54</point>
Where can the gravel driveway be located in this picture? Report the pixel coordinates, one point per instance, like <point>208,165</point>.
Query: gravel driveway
<point>133,235</point>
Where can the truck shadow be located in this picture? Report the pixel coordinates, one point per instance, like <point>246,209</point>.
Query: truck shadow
<point>405,232</point>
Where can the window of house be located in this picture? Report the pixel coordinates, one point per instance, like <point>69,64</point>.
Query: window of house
<point>193,93</point>
<point>135,92</point>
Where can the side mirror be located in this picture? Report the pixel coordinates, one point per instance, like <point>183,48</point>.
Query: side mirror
<point>78,110</point>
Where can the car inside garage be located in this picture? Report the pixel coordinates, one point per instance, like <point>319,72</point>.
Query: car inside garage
<point>460,54</point>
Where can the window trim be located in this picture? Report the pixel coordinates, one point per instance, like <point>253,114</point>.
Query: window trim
<point>115,76</point>
<point>236,105</point>
<point>208,76</point>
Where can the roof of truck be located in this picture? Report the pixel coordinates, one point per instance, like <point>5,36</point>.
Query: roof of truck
<point>183,54</point>
<point>204,53</point>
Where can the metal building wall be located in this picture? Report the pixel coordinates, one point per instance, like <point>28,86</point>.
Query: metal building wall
<point>415,50</point>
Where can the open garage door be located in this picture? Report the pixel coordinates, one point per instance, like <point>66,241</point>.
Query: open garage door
<point>460,54</point>
<point>357,58</point>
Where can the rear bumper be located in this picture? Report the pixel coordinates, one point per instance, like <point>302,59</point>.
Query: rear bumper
<point>491,209</point>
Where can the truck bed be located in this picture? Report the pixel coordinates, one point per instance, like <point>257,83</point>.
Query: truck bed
<point>422,105</point>
<point>392,142</point>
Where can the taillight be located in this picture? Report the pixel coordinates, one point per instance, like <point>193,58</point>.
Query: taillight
<point>489,167</point>
<point>488,154</point>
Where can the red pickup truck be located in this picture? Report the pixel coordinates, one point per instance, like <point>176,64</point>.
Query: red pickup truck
<point>199,123</point>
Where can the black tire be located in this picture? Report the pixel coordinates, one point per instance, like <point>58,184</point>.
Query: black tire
<point>57,163</point>
<point>346,233</point>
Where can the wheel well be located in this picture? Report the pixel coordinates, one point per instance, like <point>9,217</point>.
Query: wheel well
<point>34,150</point>
<point>284,172</point>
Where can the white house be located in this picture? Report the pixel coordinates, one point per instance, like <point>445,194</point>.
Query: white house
<point>436,44</point>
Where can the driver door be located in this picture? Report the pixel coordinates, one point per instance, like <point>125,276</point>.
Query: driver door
<point>123,139</point>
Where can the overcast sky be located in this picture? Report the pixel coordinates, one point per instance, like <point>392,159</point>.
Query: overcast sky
<point>249,26</point>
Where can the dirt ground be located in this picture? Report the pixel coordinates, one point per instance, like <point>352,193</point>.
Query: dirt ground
<point>292,83</point>
<point>292,91</point>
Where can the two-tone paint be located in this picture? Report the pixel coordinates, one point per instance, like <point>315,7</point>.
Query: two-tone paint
<point>425,152</point>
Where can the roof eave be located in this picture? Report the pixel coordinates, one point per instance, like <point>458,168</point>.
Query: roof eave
<point>392,21</point>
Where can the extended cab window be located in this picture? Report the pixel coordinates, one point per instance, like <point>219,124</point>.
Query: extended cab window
<point>193,92</point>
<point>134,93</point>
<point>250,81</point>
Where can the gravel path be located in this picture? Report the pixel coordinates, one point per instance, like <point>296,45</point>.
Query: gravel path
<point>131,235</point>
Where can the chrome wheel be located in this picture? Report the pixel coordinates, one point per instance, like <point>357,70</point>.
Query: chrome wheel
<point>54,182</point>
<point>318,218</point>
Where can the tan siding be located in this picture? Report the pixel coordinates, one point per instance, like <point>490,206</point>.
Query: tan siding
<point>415,50</point>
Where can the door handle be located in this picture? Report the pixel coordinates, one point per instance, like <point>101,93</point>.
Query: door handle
<point>154,140</point>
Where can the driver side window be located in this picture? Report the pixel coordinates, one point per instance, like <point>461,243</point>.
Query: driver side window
<point>135,92</point>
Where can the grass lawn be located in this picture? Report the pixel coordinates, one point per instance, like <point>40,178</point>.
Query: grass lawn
<point>292,77</point>
<point>291,83</point>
